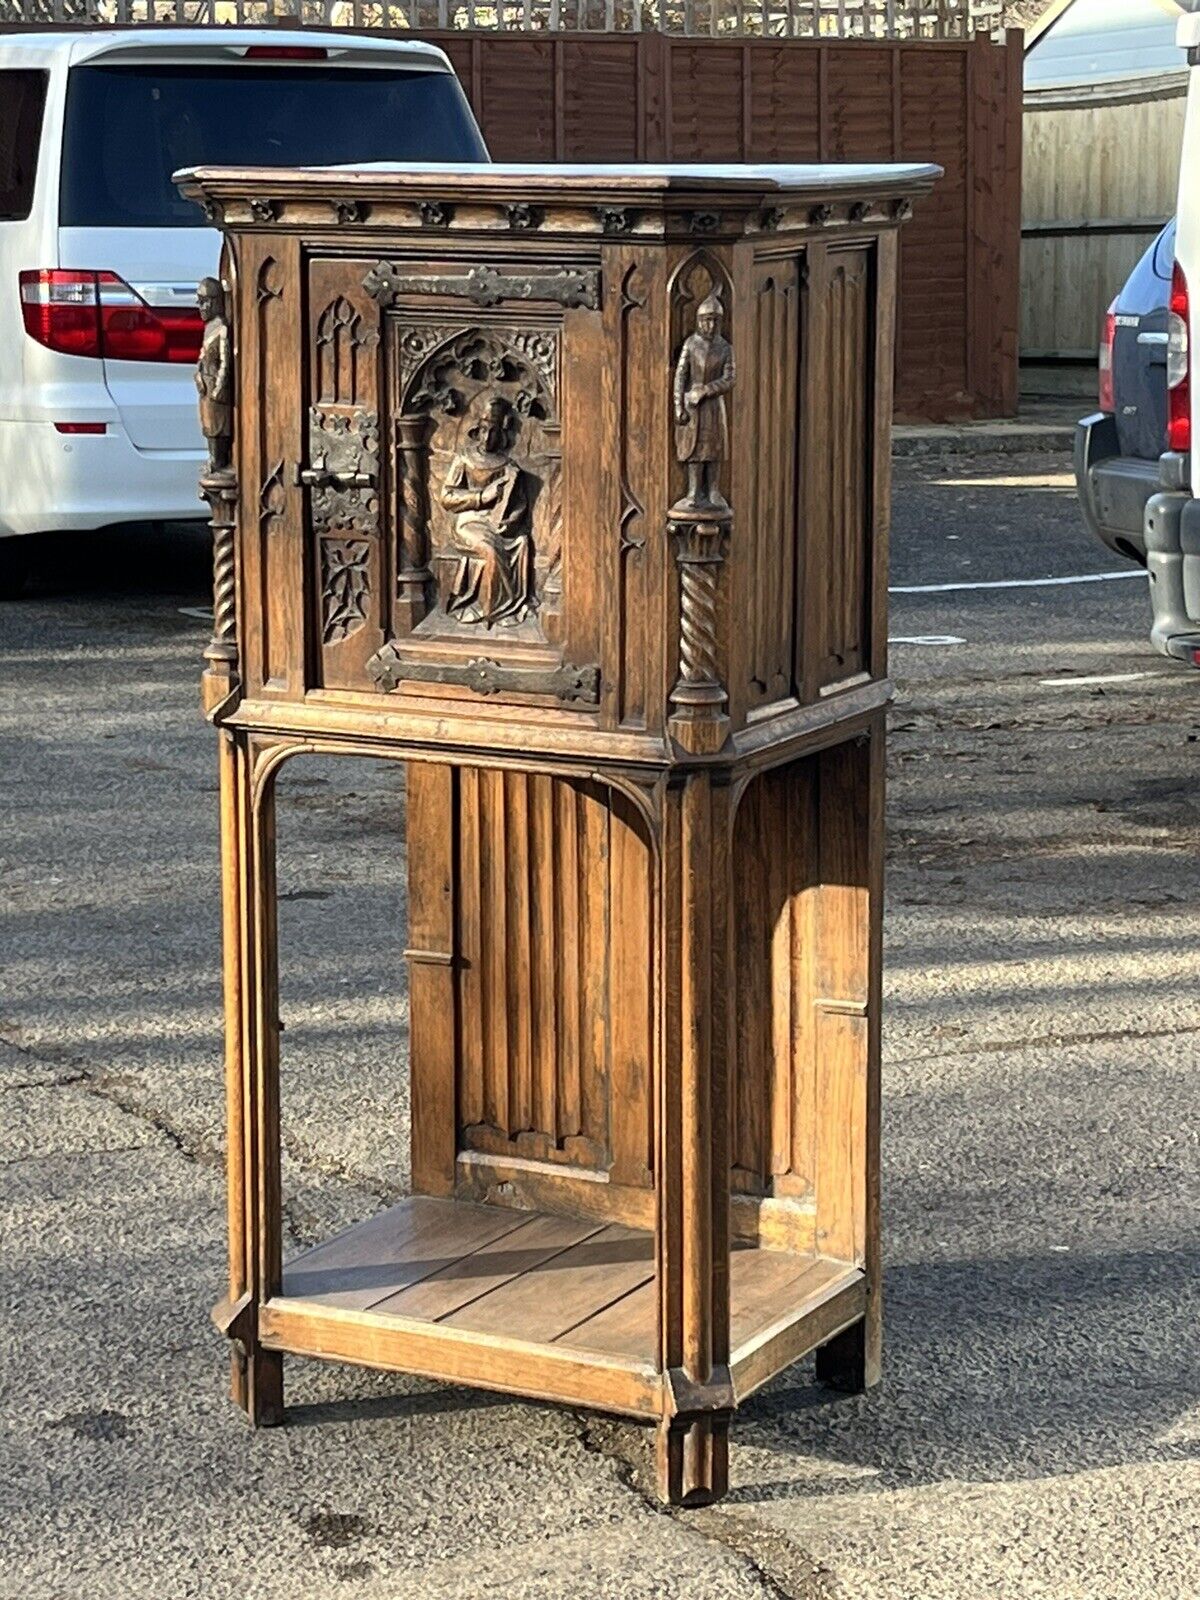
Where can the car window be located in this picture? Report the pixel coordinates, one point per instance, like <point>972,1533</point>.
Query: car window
<point>1164,251</point>
<point>129,128</point>
<point>22,101</point>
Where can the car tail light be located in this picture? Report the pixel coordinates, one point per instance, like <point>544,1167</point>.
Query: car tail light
<point>1179,385</point>
<point>1105,362</point>
<point>98,314</point>
<point>81,427</point>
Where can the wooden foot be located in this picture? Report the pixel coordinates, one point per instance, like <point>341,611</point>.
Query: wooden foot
<point>238,1383</point>
<point>850,1362</point>
<point>693,1460</point>
<point>258,1386</point>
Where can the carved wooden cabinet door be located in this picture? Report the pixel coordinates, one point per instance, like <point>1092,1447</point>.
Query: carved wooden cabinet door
<point>474,363</point>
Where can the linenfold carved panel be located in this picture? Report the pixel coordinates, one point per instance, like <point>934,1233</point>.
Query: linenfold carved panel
<point>547,1068</point>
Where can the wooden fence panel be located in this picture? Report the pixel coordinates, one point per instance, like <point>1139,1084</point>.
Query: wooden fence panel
<point>606,97</point>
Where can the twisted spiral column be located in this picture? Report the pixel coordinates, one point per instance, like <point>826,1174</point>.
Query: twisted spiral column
<point>698,623</point>
<point>221,674</point>
<point>699,700</point>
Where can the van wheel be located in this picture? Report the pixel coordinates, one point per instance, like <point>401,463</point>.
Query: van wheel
<point>15,567</point>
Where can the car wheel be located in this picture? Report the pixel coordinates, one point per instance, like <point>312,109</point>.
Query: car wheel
<point>15,566</point>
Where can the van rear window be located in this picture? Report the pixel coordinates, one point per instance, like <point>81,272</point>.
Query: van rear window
<point>129,128</point>
<point>22,101</point>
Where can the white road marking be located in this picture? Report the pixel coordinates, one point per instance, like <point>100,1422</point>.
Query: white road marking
<point>1033,480</point>
<point>1102,677</point>
<point>1012,583</point>
<point>927,638</point>
<point>203,613</point>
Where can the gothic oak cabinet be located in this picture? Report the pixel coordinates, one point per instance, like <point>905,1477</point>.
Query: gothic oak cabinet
<point>568,488</point>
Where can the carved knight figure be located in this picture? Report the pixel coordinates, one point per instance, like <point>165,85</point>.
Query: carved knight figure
<point>214,375</point>
<point>487,492</point>
<point>704,375</point>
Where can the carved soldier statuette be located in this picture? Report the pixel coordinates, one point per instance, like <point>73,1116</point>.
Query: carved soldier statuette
<point>485,490</point>
<point>704,375</point>
<point>214,376</point>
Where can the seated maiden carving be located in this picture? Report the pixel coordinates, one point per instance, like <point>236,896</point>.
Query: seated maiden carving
<point>487,494</point>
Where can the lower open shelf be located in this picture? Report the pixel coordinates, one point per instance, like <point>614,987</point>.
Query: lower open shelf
<point>538,1304</point>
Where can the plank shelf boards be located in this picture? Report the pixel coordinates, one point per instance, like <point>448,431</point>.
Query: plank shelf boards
<point>438,1286</point>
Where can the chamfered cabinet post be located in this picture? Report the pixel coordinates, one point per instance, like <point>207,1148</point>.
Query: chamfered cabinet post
<point>567,488</point>
<point>693,1211</point>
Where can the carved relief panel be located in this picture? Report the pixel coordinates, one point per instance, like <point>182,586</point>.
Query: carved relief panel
<point>480,464</point>
<point>341,474</point>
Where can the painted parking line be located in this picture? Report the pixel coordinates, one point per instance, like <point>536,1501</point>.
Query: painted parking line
<point>201,613</point>
<point>1100,677</point>
<point>926,638</point>
<point>1013,583</point>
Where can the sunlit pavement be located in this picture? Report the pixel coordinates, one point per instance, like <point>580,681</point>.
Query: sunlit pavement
<point>1038,1430</point>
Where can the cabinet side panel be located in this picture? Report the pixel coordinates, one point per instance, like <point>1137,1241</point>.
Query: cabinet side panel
<point>269,444</point>
<point>764,546</point>
<point>841,953</point>
<point>837,468</point>
<point>774,884</point>
<point>806,1036</point>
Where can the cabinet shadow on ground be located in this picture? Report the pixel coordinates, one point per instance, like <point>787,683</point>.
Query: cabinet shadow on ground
<point>1010,1368</point>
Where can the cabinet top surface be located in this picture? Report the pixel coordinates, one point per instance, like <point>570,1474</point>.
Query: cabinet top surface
<point>546,180</point>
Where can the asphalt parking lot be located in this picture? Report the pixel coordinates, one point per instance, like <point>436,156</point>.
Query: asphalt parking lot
<point>1038,1431</point>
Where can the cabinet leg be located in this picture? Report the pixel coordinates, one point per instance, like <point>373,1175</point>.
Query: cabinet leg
<point>851,1362</point>
<point>251,1081</point>
<point>693,1159</point>
<point>258,1386</point>
<point>693,1460</point>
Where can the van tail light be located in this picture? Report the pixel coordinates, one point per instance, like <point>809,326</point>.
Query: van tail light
<point>285,52</point>
<point>1105,362</point>
<point>1179,366</point>
<point>97,314</point>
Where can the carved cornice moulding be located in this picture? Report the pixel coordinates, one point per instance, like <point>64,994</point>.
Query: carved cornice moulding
<point>596,201</point>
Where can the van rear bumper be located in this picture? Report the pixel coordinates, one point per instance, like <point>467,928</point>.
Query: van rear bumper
<point>53,482</point>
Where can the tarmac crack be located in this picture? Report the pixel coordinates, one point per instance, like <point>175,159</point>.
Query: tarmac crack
<point>108,1086</point>
<point>104,1087</point>
<point>785,1569</point>
<point>782,1569</point>
<point>1040,1041</point>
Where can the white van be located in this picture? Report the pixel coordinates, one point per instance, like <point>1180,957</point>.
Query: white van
<point>100,256</point>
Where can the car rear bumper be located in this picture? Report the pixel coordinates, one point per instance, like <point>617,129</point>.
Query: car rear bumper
<point>53,482</point>
<point>1113,489</point>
